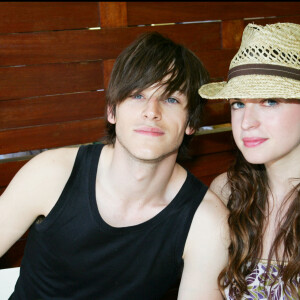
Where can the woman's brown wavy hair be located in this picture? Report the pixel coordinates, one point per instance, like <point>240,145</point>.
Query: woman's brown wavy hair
<point>248,205</point>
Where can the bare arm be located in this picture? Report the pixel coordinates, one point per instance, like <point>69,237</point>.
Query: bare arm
<point>205,253</point>
<point>33,192</point>
<point>220,187</point>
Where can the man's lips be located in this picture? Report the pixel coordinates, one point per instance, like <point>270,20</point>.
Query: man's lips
<point>152,131</point>
<point>253,142</point>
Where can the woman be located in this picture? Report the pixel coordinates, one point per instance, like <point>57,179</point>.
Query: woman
<point>262,187</point>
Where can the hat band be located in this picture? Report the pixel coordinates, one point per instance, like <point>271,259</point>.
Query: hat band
<point>264,69</point>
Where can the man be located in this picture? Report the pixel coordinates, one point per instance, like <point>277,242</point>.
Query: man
<point>123,221</point>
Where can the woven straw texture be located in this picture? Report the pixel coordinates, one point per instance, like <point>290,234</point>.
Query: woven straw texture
<point>277,44</point>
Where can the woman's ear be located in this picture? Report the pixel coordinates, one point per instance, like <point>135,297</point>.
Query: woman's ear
<point>111,118</point>
<point>189,130</point>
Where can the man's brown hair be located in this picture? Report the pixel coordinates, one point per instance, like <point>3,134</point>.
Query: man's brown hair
<point>148,60</point>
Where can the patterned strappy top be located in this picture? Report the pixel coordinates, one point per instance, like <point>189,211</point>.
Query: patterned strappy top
<point>258,291</point>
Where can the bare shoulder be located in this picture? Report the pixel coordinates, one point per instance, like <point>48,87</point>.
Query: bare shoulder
<point>212,212</point>
<point>206,250</point>
<point>33,191</point>
<point>43,177</point>
<point>220,187</point>
<point>56,162</point>
<point>210,222</point>
<point>60,155</point>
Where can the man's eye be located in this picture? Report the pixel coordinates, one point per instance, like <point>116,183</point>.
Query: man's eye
<point>237,105</point>
<point>171,100</point>
<point>138,96</point>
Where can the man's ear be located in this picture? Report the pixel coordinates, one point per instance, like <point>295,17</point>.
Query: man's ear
<point>189,130</point>
<point>111,118</point>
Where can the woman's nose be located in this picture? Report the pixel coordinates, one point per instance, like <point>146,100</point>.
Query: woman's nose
<point>250,117</point>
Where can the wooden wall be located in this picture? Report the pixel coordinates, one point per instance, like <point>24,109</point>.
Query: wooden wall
<point>56,58</point>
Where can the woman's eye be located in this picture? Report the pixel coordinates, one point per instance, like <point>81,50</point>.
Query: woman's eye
<point>171,100</point>
<point>270,102</point>
<point>237,105</point>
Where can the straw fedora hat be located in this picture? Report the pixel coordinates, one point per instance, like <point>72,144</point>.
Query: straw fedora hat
<point>267,65</point>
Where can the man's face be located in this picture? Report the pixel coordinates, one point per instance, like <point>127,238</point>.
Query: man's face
<point>150,127</point>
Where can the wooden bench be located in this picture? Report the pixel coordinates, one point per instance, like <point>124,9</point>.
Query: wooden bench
<point>56,58</point>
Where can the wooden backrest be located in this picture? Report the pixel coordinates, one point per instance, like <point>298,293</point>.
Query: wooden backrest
<point>56,58</point>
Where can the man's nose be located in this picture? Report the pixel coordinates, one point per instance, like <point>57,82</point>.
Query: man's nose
<point>152,109</point>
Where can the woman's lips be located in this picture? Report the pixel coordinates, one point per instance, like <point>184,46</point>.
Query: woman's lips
<point>253,142</point>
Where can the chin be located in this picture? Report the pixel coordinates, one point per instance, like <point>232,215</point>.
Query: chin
<point>144,154</point>
<point>255,160</point>
<point>152,156</point>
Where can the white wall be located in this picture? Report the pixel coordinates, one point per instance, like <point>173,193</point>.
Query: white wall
<point>8,278</point>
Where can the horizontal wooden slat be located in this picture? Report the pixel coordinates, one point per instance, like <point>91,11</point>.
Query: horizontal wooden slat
<point>216,112</point>
<point>9,169</point>
<point>197,37</point>
<point>51,109</point>
<point>139,13</point>
<point>264,21</point>
<point>108,65</point>
<point>39,16</point>
<point>211,143</point>
<point>40,80</point>
<point>81,45</point>
<point>12,258</point>
<point>209,166</point>
<point>50,136</point>
<point>51,47</point>
<point>208,178</point>
<point>232,31</point>
<point>217,62</point>
<point>113,14</point>
<point>2,189</point>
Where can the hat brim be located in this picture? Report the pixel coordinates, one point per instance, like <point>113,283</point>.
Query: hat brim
<point>252,86</point>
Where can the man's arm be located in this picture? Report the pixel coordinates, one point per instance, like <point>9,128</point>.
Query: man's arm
<point>205,253</point>
<point>33,192</point>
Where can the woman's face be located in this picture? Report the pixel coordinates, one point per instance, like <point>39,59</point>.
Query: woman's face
<point>266,130</point>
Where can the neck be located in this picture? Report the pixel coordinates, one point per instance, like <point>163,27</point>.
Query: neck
<point>284,174</point>
<point>131,180</point>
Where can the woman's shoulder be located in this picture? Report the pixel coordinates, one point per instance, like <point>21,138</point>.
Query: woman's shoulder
<point>220,187</point>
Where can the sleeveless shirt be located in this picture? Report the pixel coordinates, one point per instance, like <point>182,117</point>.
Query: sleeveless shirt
<point>75,254</point>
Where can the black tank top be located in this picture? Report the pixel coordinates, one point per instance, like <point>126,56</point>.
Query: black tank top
<point>74,254</point>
